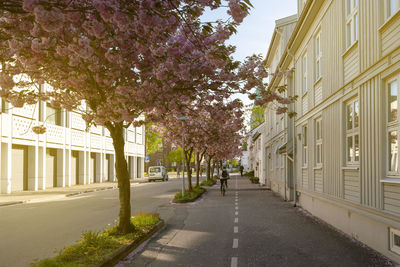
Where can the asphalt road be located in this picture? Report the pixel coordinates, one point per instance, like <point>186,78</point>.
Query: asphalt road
<point>248,227</point>
<point>35,230</point>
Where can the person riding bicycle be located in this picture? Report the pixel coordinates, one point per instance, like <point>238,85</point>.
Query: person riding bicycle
<point>224,177</point>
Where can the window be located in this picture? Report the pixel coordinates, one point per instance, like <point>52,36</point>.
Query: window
<point>392,6</point>
<point>304,68</point>
<point>53,115</point>
<point>393,126</point>
<point>271,162</point>
<point>304,152</point>
<point>395,240</point>
<point>352,132</point>
<point>351,22</point>
<point>318,55</point>
<point>318,142</point>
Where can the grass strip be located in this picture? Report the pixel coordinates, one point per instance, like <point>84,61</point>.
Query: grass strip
<point>94,247</point>
<point>190,196</point>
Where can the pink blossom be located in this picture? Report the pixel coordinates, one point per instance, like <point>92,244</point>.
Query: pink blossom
<point>49,20</point>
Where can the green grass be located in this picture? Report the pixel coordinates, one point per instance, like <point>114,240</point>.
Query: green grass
<point>210,182</point>
<point>95,247</point>
<point>189,195</point>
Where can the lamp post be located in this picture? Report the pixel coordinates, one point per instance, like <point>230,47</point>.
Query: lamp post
<point>183,119</point>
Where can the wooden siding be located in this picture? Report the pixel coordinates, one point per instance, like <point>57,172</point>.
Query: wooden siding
<point>351,64</point>
<point>305,104</point>
<point>318,183</point>
<point>305,178</point>
<point>332,158</point>
<point>371,142</point>
<point>318,94</point>
<point>369,22</point>
<point>392,197</point>
<point>332,36</point>
<point>390,35</point>
<point>352,185</point>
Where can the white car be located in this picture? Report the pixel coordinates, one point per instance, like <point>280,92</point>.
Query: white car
<point>158,173</point>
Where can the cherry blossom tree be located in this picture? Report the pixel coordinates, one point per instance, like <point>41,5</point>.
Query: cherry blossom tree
<point>212,130</point>
<point>116,58</point>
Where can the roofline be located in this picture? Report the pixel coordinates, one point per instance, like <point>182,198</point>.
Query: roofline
<point>296,36</point>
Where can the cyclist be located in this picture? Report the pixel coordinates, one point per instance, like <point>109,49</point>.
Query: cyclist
<point>224,178</point>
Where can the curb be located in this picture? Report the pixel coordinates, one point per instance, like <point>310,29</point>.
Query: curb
<point>124,251</point>
<point>189,200</point>
<point>11,203</point>
<point>61,196</point>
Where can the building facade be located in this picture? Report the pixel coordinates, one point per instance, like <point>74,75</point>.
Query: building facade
<point>66,154</point>
<point>277,150</point>
<point>345,55</point>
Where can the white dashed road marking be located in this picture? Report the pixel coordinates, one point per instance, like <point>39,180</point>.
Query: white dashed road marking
<point>236,229</point>
<point>235,243</point>
<point>236,213</point>
<point>236,220</point>
<point>234,262</point>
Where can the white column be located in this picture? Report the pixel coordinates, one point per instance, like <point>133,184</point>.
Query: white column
<point>44,147</point>
<point>70,150</point>
<point>85,160</point>
<point>64,154</point>
<point>9,152</point>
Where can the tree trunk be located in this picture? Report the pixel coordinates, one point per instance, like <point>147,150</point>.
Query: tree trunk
<point>124,186</point>
<point>199,157</point>
<point>188,157</point>
<point>208,167</point>
<point>212,169</point>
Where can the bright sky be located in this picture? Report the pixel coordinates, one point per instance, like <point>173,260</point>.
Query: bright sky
<point>255,32</point>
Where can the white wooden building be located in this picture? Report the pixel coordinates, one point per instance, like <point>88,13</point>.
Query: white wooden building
<point>277,151</point>
<point>345,55</point>
<point>65,155</point>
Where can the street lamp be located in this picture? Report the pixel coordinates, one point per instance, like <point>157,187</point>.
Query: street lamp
<point>183,119</point>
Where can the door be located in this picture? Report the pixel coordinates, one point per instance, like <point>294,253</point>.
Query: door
<point>19,168</point>
<point>51,168</point>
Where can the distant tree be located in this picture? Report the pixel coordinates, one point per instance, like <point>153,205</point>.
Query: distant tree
<point>175,156</point>
<point>153,138</point>
<point>256,117</point>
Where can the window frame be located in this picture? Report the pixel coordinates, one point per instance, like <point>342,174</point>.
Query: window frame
<point>353,132</point>
<point>304,146</point>
<point>304,73</point>
<point>388,5</point>
<point>351,22</point>
<point>318,55</point>
<point>392,126</point>
<point>318,142</point>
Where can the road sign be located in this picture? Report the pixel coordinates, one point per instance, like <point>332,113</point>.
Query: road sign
<point>147,159</point>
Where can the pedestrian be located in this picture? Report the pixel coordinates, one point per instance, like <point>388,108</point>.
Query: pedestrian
<point>241,170</point>
<point>177,171</point>
<point>201,171</point>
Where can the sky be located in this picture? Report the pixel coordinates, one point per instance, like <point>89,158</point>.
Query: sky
<point>255,32</point>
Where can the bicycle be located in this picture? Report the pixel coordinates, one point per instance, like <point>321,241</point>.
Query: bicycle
<point>223,186</point>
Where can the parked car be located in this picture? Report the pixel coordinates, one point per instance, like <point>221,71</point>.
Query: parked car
<point>158,173</point>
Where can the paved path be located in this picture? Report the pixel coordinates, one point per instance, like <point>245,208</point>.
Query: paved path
<point>248,227</point>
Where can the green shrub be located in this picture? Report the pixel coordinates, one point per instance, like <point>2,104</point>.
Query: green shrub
<point>210,182</point>
<point>189,195</point>
<point>254,180</point>
<point>94,247</point>
<point>251,173</point>
<point>215,177</point>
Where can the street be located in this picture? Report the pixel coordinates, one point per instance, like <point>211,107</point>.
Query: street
<point>35,230</point>
<point>249,227</point>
